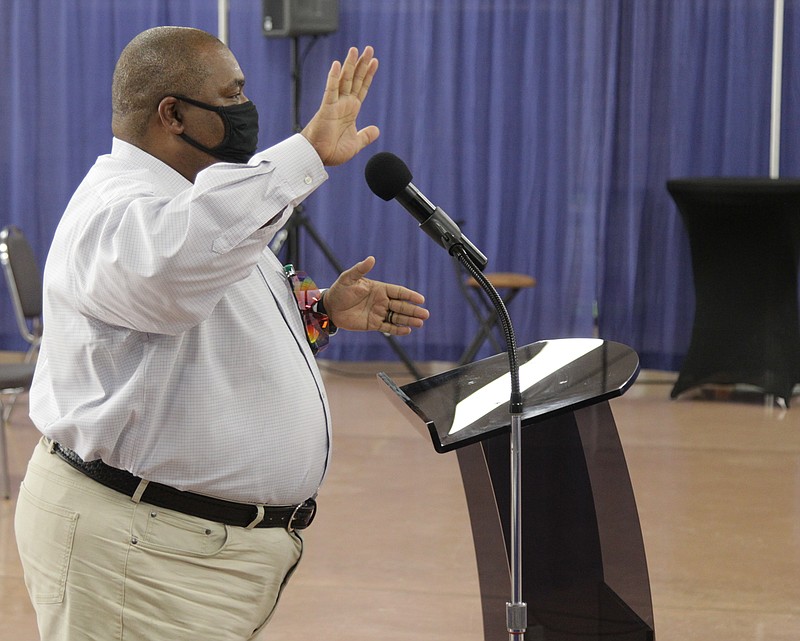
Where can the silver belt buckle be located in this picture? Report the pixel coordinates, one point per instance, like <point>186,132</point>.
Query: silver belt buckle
<point>290,526</point>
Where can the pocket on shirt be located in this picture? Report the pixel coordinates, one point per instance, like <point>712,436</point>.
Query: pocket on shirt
<point>45,533</point>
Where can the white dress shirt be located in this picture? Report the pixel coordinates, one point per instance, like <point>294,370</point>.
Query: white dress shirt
<point>173,347</point>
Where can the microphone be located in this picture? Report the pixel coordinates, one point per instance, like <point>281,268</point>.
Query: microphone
<point>389,178</point>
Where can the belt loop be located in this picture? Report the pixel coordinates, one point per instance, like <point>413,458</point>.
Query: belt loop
<point>137,495</point>
<point>258,519</point>
<point>51,444</point>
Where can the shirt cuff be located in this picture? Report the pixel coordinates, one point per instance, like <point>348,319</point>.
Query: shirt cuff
<point>298,162</point>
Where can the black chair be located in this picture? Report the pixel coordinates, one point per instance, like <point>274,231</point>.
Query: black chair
<point>24,282</point>
<point>15,378</point>
<point>25,287</point>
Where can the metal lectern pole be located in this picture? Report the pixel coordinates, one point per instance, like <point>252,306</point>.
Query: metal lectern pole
<point>516,609</point>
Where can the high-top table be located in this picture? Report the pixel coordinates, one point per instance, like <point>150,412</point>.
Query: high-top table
<point>744,235</point>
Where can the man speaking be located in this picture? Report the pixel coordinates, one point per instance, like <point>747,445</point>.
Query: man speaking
<point>185,424</point>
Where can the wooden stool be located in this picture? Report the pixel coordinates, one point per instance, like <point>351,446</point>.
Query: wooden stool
<point>509,282</point>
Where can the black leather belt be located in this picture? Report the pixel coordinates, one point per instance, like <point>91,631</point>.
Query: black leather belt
<point>291,517</point>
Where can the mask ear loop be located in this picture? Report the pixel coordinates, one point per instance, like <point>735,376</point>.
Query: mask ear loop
<point>228,128</point>
<point>226,123</point>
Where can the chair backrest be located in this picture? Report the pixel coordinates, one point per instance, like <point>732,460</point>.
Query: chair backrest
<point>24,282</point>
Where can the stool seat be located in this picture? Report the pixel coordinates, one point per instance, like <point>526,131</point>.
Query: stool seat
<point>505,280</point>
<point>512,283</point>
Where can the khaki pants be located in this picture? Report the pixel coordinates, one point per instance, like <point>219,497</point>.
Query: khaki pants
<point>99,566</point>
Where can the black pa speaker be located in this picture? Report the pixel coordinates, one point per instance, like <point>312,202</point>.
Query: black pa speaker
<point>282,18</point>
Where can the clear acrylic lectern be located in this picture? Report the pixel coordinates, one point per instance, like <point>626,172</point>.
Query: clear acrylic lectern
<point>584,568</point>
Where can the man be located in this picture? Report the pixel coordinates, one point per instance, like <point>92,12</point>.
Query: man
<point>186,429</point>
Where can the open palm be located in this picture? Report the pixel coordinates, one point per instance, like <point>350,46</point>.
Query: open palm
<point>358,303</point>
<point>333,131</point>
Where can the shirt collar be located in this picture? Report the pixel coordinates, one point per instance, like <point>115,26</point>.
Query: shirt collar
<point>166,176</point>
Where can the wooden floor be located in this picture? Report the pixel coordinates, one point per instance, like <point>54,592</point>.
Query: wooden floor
<point>717,483</point>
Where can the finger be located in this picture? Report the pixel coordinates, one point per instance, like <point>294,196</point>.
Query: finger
<point>406,308</point>
<point>365,266</point>
<point>405,314</point>
<point>396,323</point>
<point>366,82</point>
<point>355,273</point>
<point>397,330</point>
<point>419,313</point>
<point>348,71</point>
<point>398,294</point>
<point>364,71</point>
<point>368,135</point>
<point>401,320</point>
<point>331,93</point>
<point>415,317</point>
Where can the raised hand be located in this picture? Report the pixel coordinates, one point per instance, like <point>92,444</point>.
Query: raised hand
<point>332,131</point>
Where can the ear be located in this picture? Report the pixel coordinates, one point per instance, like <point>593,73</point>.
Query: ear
<point>170,116</point>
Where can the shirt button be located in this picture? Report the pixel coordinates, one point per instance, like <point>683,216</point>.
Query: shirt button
<point>308,180</point>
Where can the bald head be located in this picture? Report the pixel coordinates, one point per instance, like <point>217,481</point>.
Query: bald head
<point>159,62</point>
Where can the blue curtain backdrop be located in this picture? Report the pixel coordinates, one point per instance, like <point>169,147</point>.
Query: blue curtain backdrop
<point>547,127</point>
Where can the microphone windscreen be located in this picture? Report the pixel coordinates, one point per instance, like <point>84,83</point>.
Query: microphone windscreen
<point>387,175</point>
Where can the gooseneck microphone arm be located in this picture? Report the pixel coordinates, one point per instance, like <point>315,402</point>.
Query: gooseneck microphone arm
<point>505,321</point>
<point>389,178</point>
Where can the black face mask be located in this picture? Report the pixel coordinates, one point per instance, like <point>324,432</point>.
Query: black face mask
<point>241,131</point>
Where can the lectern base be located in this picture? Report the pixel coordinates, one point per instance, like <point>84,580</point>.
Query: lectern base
<point>584,567</point>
